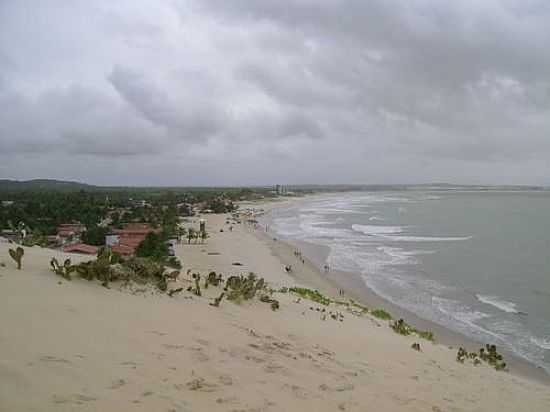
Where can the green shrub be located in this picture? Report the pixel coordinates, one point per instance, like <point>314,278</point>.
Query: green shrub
<point>153,246</point>
<point>63,271</point>
<point>403,328</point>
<point>311,294</point>
<point>381,314</point>
<point>173,262</point>
<point>240,287</point>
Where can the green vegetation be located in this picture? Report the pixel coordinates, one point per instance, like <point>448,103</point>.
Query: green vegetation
<point>35,238</point>
<point>217,300</point>
<point>212,279</point>
<point>381,314</point>
<point>273,302</point>
<point>191,234</point>
<point>403,328</point>
<point>42,205</point>
<point>197,289</point>
<point>42,212</point>
<point>240,288</point>
<point>311,294</point>
<point>17,255</point>
<point>63,271</point>
<point>488,354</point>
<point>95,235</point>
<point>153,246</point>
<point>220,205</point>
<point>173,262</point>
<point>203,235</point>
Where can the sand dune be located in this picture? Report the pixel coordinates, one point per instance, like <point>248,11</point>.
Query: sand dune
<point>69,346</point>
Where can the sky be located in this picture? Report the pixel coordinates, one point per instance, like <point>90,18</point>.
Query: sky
<point>251,92</point>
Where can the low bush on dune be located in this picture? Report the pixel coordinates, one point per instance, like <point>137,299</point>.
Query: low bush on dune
<point>64,270</point>
<point>110,267</point>
<point>381,314</point>
<point>488,354</point>
<point>403,328</point>
<point>240,288</point>
<point>311,294</point>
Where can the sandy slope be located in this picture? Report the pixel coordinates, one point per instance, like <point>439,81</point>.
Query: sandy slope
<point>68,346</point>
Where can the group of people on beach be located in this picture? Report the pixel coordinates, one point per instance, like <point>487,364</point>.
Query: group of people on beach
<point>298,254</point>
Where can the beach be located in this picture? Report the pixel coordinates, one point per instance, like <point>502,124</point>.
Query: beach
<point>74,345</point>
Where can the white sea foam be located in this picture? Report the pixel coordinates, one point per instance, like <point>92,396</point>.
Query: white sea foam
<point>464,315</point>
<point>397,255</point>
<point>543,343</point>
<point>425,238</point>
<point>498,303</point>
<point>376,218</point>
<point>377,230</point>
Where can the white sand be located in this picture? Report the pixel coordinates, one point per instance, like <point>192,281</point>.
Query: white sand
<point>78,346</point>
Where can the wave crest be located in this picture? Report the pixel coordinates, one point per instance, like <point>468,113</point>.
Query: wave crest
<point>495,301</point>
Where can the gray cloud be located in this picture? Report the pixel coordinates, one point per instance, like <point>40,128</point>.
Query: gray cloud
<point>250,92</point>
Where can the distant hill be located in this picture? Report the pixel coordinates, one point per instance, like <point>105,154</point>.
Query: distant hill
<point>7,185</point>
<point>37,185</point>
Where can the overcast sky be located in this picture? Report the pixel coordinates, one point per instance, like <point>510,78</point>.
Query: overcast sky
<point>240,92</point>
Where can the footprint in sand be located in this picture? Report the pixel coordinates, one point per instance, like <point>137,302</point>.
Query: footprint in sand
<point>230,399</point>
<point>202,342</point>
<point>198,354</point>
<point>226,380</point>
<point>49,358</point>
<point>297,391</point>
<point>339,388</point>
<point>274,368</point>
<point>131,364</point>
<point>117,384</point>
<point>75,398</point>
<point>156,332</point>
<point>200,385</point>
<point>173,347</point>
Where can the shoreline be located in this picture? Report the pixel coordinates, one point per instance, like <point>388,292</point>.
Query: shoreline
<point>355,287</point>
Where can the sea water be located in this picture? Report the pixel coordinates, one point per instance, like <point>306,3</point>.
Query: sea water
<point>475,262</point>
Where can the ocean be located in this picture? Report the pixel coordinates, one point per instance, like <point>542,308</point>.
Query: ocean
<point>474,262</point>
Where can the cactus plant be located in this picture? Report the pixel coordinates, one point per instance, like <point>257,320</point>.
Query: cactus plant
<point>488,354</point>
<point>213,279</point>
<point>17,255</point>
<point>63,271</point>
<point>273,302</point>
<point>174,291</point>
<point>197,289</point>
<point>217,300</point>
<point>162,285</point>
<point>240,287</point>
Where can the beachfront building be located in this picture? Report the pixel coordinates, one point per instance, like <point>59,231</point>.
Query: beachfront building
<point>126,240</point>
<point>81,248</point>
<point>70,232</point>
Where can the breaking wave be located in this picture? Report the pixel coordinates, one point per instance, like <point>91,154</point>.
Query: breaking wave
<point>498,303</point>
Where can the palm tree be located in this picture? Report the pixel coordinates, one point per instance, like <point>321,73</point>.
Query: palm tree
<point>190,234</point>
<point>203,236</point>
<point>181,232</point>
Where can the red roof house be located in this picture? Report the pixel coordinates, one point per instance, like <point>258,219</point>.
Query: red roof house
<point>130,237</point>
<point>81,248</point>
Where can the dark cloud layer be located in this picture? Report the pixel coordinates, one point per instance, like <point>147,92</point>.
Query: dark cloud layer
<point>257,92</point>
